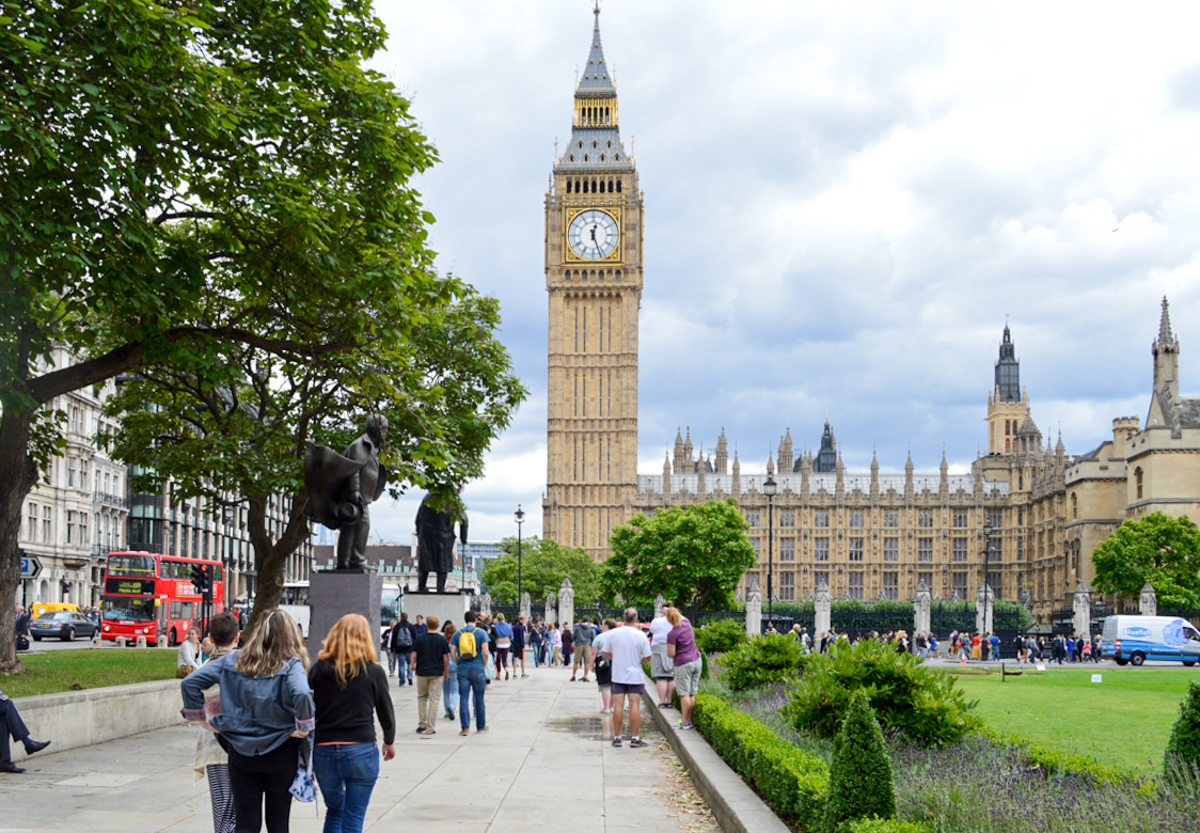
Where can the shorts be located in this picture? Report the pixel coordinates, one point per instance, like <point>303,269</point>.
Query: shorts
<point>583,653</point>
<point>661,665</point>
<point>629,688</point>
<point>687,677</point>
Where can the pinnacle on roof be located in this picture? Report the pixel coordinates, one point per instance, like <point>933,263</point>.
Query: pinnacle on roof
<point>595,73</point>
<point>1165,337</point>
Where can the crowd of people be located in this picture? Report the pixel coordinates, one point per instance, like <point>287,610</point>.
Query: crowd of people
<point>964,645</point>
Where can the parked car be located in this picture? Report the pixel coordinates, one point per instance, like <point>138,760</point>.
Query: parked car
<point>64,624</point>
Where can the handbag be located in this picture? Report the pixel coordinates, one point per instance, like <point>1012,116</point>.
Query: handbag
<point>304,786</point>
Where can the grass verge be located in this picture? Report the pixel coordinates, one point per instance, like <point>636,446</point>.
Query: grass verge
<point>1123,721</point>
<point>56,671</point>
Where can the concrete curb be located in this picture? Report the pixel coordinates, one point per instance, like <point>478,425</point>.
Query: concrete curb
<point>71,719</point>
<point>737,808</point>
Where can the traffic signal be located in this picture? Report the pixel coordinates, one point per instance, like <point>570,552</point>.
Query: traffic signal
<point>200,578</point>
<point>66,589</point>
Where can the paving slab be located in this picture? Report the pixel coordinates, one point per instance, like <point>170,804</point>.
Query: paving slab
<point>545,763</point>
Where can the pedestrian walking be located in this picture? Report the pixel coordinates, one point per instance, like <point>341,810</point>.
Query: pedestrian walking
<point>538,643</point>
<point>469,650</point>
<point>450,684</point>
<point>602,666</point>
<point>211,759</point>
<point>350,689</point>
<point>266,709</point>
<point>504,636</point>
<point>556,645</point>
<point>518,646</point>
<point>662,669</point>
<point>385,646</point>
<point>403,637</point>
<point>625,649</point>
<point>568,643</point>
<point>687,662</point>
<point>419,625</point>
<point>431,656</point>
<point>581,639</point>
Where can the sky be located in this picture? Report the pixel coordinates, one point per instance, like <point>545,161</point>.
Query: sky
<point>844,204</point>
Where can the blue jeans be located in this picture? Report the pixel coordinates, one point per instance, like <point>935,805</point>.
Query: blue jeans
<point>538,653</point>
<point>347,774</point>
<point>450,692</point>
<point>404,663</point>
<point>471,679</point>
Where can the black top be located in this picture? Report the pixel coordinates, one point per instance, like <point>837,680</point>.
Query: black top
<point>430,649</point>
<point>346,715</point>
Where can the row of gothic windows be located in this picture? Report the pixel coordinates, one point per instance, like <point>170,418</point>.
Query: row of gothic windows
<point>596,115</point>
<point>581,185</point>
<point>592,274</point>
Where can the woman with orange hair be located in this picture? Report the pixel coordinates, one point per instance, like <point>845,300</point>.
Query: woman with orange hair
<point>349,687</point>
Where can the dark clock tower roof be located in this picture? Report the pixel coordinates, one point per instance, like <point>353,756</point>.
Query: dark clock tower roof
<point>1008,371</point>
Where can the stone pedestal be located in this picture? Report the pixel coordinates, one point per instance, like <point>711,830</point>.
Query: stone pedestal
<point>566,602</point>
<point>447,607</point>
<point>822,611</point>
<point>331,595</point>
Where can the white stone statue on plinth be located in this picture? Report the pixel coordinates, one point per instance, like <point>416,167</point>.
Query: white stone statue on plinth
<point>754,609</point>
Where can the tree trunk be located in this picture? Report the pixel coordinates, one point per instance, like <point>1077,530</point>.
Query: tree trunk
<point>18,474</point>
<point>271,559</point>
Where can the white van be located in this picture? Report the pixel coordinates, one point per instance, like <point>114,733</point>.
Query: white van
<point>1139,638</point>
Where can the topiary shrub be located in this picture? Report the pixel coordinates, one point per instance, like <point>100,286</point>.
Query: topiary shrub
<point>1183,749</point>
<point>860,775</point>
<point>771,658</point>
<point>720,636</point>
<point>905,693</point>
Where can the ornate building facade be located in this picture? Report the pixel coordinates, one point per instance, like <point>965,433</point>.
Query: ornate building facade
<point>593,257</point>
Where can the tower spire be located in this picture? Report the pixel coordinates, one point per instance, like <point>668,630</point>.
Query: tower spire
<point>1165,337</point>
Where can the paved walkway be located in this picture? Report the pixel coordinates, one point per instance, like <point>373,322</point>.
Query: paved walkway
<point>546,764</point>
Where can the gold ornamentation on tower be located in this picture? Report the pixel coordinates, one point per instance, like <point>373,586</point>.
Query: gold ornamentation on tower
<point>594,280</point>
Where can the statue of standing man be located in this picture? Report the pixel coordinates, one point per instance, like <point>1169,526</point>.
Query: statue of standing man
<point>435,540</point>
<point>340,487</point>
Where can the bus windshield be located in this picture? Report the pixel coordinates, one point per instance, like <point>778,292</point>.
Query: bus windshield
<point>124,608</point>
<point>126,565</point>
<point>390,604</point>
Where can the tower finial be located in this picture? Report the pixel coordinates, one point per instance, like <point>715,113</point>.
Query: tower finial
<point>1164,324</point>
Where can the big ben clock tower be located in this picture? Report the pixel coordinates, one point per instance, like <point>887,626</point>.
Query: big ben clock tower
<point>594,280</point>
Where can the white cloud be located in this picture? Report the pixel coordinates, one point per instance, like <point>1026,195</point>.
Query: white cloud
<point>843,204</point>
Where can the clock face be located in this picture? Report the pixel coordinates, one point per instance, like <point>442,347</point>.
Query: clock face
<point>593,234</point>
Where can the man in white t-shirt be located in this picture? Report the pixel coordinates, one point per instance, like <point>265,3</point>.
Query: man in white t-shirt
<point>625,648</point>
<point>662,667</point>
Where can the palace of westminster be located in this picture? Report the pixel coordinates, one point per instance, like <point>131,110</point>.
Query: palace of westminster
<point>1025,520</point>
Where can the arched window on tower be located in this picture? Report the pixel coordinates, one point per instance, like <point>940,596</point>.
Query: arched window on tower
<point>1074,506</point>
<point>585,157</point>
<point>618,181</point>
<point>602,157</point>
<point>568,186</point>
<point>585,190</point>
<point>1007,428</point>
<point>1137,479</point>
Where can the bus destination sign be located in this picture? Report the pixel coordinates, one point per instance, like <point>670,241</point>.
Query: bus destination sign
<point>129,586</point>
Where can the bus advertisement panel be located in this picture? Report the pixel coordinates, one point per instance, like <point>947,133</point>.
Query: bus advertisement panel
<point>153,596</point>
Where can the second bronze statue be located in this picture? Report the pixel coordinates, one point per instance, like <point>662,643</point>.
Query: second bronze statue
<point>435,540</point>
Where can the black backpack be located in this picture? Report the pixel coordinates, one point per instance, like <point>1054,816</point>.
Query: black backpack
<point>403,637</point>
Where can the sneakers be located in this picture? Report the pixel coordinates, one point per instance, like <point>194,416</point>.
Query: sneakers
<point>449,714</point>
<point>617,742</point>
<point>464,733</point>
<point>682,725</point>
<point>585,679</point>
<point>524,676</point>
<point>637,743</point>
<point>484,729</point>
<point>421,730</point>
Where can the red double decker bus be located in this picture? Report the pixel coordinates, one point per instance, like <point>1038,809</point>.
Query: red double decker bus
<point>153,596</point>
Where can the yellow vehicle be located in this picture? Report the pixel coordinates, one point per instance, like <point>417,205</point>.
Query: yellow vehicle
<point>45,607</point>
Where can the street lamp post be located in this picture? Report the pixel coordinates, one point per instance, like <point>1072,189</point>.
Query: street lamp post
<point>520,516</point>
<point>769,489</point>
<point>987,559</point>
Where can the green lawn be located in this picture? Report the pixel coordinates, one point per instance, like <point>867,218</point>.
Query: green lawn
<point>1123,722</point>
<point>56,671</point>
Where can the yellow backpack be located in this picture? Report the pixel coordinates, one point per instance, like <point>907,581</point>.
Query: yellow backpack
<point>466,645</point>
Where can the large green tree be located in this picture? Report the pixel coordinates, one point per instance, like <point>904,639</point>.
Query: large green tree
<point>544,565</point>
<point>1159,549</point>
<point>693,556</point>
<point>447,391</point>
<point>175,178</point>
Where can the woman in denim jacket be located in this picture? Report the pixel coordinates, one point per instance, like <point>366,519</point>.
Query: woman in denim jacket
<point>266,706</point>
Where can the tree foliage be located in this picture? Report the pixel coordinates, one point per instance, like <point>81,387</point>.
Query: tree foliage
<point>693,556</point>
<point>544,565</point>
<point>1182,758</point>
<point>763,660</point>
<point>1162,550</point>
<point>175,179</point>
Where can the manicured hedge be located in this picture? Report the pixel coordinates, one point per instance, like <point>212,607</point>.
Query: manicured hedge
<point>1056,762</point>
<point>795,783</point>
<point>884,826</point>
